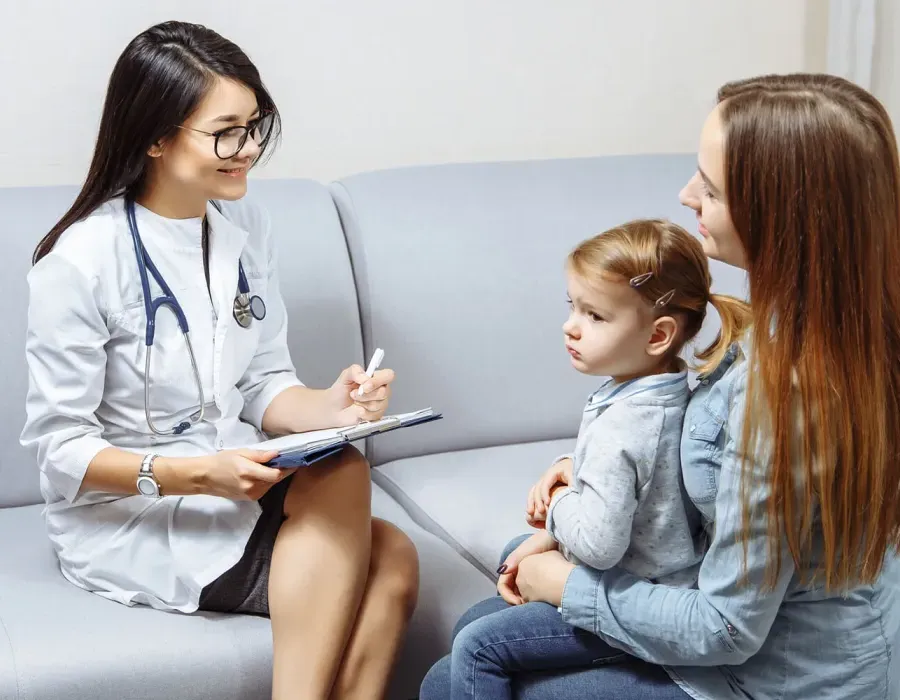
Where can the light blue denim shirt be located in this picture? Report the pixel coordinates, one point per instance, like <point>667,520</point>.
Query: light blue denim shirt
<point>731,639</point>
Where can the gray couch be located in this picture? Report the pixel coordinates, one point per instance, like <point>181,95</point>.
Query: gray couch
<point>457,272</point>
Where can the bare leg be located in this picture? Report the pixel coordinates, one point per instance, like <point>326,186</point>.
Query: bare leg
<point>319,570</point>
<point>387,605</point>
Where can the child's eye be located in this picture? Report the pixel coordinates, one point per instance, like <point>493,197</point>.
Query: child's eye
<point>569,303</point>
<point>596,318</point>
<point>706,192</point>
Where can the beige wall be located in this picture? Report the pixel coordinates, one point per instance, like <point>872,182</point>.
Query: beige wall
<point>886,66</point>
<point>366,85</point>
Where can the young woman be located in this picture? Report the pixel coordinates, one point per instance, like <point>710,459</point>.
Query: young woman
<point>789,448</point>
<point>135,421</point>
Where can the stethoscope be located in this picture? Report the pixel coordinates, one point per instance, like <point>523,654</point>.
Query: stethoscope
<point>245,309</point>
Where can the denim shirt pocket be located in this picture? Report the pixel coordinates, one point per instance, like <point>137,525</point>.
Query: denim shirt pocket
<point>702,445</point>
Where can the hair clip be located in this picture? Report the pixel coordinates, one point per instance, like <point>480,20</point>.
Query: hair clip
<point>640,279</point>
<point>665,298</point>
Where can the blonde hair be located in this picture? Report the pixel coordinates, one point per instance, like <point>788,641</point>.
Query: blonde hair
<point>660,259</point>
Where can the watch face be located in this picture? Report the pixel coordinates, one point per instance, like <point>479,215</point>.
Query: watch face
<point>146,486</point>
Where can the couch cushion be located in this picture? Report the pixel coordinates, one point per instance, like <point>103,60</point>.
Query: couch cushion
<point>473,499</point>
<point>316,282</point>
<point>460,277</point>
<point>59,641</point>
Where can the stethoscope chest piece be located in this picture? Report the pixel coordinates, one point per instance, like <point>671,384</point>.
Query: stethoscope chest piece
<point>247,308</point>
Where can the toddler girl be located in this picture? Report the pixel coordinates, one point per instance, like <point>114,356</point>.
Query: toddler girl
<point>638,293</point>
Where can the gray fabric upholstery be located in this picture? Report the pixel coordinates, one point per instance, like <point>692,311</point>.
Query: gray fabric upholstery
<point>28,215</point>
<point>59,641</point>
<point>316,279</point>
<point>475,499</point>
<point>460,277</point>
<point>448,586</point>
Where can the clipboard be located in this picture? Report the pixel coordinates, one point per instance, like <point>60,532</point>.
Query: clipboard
<point>304,449</point>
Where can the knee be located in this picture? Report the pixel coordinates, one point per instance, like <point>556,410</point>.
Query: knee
<point>436,684</point>
<point>395,566</point>
<point>468,642</point>
<point>345,475</point>
<point>350,460</point>
<point>349,463</point>
<point>510,548</point>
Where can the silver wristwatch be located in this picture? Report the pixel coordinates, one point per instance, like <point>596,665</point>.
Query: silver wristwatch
<point>146,482</point>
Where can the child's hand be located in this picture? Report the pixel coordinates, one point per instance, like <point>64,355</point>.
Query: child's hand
<point>561,473</point>
<point>506,585</point>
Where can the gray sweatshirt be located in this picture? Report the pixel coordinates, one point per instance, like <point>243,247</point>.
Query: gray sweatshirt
<point>627,505</point>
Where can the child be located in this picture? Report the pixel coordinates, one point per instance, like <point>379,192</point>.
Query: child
<point>638,293</point>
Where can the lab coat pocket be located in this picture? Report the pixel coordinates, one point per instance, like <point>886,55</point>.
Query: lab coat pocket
<point>173,384</point>
<point>242,344</point>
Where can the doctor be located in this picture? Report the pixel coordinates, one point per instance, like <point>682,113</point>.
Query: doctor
<point>156,342</point>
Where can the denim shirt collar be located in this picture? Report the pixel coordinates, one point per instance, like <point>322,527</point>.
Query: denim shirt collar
<point>739,348</point>
<point>612,391</point>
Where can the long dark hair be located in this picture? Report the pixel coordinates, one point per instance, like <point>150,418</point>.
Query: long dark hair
<point>156,84</point>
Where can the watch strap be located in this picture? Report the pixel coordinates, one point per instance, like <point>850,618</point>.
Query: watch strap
<point>146,470</point>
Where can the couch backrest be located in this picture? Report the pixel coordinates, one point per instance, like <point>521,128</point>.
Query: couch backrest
<point>459,269</point>
<point>28,214</point>
<point>459,277</point>
<point>316,282</point>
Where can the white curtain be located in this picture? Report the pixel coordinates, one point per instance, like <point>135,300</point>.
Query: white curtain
<point>851,39</point>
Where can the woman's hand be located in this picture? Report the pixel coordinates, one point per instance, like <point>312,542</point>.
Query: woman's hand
<point>506,585</point>
<point>542,492</point>
<point>350,408</point>
<point>542,578</point>
<point>238,474</point>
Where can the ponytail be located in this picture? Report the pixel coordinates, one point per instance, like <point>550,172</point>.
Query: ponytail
<point>735,318</point>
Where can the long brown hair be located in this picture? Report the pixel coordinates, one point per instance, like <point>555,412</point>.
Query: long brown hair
<point>673,262</point>
<point>813,186</point>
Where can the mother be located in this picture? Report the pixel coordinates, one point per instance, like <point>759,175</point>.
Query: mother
<point>790,446</point>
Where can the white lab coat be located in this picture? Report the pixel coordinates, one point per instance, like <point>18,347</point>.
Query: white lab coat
<point>85,350</point>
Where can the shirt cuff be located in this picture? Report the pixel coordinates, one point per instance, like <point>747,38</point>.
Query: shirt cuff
<point>549,520</point>
<point>68,467</point>
<point>579,599</point>
<point>255,409</point>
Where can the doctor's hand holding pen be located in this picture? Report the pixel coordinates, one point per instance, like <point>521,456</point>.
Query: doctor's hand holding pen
<point>361,395</point>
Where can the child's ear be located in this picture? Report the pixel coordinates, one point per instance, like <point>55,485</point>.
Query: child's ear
<point>665,331</point>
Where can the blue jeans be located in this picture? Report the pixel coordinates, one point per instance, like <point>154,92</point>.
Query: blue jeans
<point>499,640</point>
<point>527,652</point>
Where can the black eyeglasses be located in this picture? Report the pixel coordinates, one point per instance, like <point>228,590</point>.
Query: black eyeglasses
<point>231,140</point>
